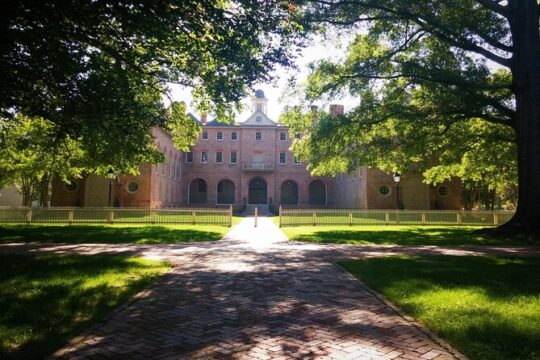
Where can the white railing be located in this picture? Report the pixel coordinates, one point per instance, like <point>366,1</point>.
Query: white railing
<point>75,215</point>
<point>316,217</point>
<point>258,166</point>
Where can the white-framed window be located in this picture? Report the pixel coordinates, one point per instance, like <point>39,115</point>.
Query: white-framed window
<point>385,190</point>
<point>282,158</point>
<point>204,135</point>
<point>258,135</point>
<point>296,161</point>
<point>204,157</point>
<point>189,157</point>
<point>132,187</point>
<point>233,157</point>
<point>297,136</point>
<point>219,135</point>
<point>234,135</point>
<point>219,157</point>
<point>282,136</point>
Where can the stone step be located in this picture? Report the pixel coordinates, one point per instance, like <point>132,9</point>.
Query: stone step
<point>263,210</point>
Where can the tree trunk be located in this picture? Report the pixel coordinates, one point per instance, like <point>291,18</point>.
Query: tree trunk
<point>44,187</point>
<point>526,84</point>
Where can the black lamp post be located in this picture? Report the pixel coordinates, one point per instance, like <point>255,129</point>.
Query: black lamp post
<point>397,179</point>
<point>111,176</point>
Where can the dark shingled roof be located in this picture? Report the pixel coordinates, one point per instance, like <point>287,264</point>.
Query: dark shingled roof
<point>216,122</point>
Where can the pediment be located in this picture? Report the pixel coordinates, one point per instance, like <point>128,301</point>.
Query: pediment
<point>258,118</point>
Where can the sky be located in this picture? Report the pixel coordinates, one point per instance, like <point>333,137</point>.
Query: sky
<point>278,93</point>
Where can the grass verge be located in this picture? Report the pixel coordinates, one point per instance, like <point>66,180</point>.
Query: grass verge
<point>112,234</point>
<point>395,235</point>
<point>47,300</point>
<point>487,307</point>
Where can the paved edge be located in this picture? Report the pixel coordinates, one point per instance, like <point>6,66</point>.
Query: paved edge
<point>412,321</point>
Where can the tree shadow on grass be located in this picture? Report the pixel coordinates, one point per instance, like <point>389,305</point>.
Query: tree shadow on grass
<point>103,234</point>
<point>405,236</point>
<point>486,306</point>
<point>46,300</point>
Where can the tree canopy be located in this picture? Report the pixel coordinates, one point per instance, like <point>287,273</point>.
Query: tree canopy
<point>451,87</point>
<point>98,69</point>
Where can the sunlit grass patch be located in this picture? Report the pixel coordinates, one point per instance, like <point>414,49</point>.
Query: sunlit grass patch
<point>111,234</point>
<point>488,307</point>
<point>395,235</point>
<point>46,300</point>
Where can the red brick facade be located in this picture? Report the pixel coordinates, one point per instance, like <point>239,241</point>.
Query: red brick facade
<point>248,163</point>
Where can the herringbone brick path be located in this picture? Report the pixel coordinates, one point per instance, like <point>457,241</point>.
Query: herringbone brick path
<point>253,296</point>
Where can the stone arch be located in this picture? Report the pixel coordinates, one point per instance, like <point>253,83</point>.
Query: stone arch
<point>225,192</point>
<point>289,192</point>
<point>198,192</point>
<point>317,193</point>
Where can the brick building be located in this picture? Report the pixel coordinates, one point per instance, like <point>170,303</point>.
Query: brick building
<point>249,163</point>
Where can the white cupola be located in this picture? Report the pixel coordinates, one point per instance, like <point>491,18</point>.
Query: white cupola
<point>259,102</point>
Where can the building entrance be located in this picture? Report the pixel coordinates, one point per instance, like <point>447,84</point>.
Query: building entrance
<point>257,191</point>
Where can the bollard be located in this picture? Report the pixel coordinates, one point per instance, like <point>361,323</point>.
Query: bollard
<point>230,215</point>
<point>256,214</point>
<point>280,215</point>
<point>350,219</point>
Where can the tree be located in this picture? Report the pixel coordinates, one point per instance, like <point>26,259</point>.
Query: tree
<point>98,69</point>
<point>32,154</point>
<point>426,68</point>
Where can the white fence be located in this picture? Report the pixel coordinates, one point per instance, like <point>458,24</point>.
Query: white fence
<point>72,215</point>
<point>316,217</point>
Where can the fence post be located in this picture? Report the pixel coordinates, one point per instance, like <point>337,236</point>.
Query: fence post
<point>70,217</point>
<point>256,215</point>
<point>459,218</point>
<point>495,219</point>
<point>110,217</point>
<point>397,217</point>
<point>193,217</point>
<point>387,218</point>
<point>423,218</point>
<point>314,218</point>
<point>350,219</point>
<point>230,215</point>
<point>29,216</point>
<point>152,216</point>
<point>280,209</point>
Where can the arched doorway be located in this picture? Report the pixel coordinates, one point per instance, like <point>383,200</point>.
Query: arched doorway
<point>225,192</point>
<point>317,193</point>
<point>198,193</point>
<point>257,191</point>
<point>289,193</point>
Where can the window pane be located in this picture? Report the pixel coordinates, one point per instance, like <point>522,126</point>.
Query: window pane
<point>258,135</point>
<point>205,135</point>
<point>219,156</point>
<point>219,135</point>
<point>233,136</point>
<point>282,158</point>
<point>204,157</point>
<point>233,157</point>
<point>282,136</point>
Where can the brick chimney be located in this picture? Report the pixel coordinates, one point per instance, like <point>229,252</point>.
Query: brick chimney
<point>336,109</point>
<point>204,118</point>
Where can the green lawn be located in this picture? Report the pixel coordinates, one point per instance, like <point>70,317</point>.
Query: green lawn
<point>47,300</point>
<point>394,235</point>
<point>487,307</point>
<point>112,234</point>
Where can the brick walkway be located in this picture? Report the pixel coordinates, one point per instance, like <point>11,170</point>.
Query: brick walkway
<point>253,295</point>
